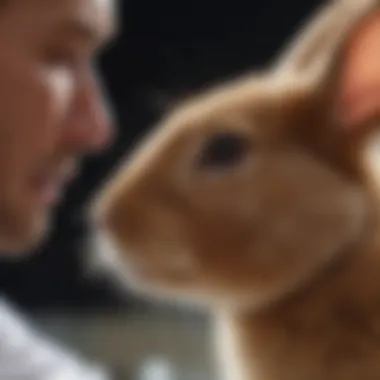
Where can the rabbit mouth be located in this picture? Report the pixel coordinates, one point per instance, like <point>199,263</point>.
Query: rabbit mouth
<point>171,267</point>
<point>148,263</point>
<point>102,256</point>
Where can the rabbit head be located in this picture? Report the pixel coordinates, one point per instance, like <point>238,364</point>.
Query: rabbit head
<point>247,190</point>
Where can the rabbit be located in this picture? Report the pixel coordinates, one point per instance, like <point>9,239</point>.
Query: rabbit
<point>258,199</point>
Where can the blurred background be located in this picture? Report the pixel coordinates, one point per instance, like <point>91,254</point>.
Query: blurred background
<point>167,49</point>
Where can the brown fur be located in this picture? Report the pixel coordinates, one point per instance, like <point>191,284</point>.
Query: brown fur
<point>285,245</point>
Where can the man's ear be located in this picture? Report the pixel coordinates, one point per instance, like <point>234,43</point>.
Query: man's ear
<point>358,95</point>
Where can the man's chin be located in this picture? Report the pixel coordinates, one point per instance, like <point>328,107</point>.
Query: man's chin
<point>17,242</point>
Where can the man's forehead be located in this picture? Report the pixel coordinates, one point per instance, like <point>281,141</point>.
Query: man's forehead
<point>91,18</point>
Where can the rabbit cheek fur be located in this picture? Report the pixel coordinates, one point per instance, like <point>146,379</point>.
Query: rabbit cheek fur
<point>280,241</point>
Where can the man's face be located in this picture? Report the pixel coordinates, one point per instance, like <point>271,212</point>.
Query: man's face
<point>51,109</point>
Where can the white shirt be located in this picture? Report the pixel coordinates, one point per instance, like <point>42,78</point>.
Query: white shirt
<point>26,355</point>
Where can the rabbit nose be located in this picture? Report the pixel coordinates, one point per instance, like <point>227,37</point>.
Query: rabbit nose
<point>99,216</point>
<point>123,220</point>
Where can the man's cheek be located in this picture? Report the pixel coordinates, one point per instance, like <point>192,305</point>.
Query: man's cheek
<point>59,93</point>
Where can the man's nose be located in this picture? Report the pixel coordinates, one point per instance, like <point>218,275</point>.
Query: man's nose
<point>90,127</point>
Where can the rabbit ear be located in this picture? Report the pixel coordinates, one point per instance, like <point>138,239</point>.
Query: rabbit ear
<point>359,83</point>
<point>314,51</point>
<point>345,101</point>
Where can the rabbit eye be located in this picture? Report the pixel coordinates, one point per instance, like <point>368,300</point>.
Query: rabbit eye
<point>222,150</point>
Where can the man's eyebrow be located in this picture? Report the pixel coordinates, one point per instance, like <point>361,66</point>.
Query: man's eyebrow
<point>85,30</point>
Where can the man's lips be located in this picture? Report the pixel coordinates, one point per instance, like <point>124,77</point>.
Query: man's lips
<point>49,187</point>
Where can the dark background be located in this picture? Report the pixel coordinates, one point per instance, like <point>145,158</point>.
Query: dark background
<point>166,49</point>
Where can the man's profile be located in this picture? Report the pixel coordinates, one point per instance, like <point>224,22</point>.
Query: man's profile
<point>51,110</point>
<point>51,113</point>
